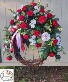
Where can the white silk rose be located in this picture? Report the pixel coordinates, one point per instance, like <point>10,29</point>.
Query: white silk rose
<point>45,36</point>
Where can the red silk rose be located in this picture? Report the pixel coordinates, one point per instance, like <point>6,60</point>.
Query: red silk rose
<point>42,19</point>
<point>30,13</point>
<point>33,4</point>
<point>19,10</point>
<point>12,21</point>
<point>55,23</point>
<point>26,37</point>
<point>24,25</point>
<point>36,33</point>
<point>38,45</point>
<point>24,8</point>
<point>51,54</point>
<point>21,18</point>
<point>9,58</point>
<point>55,42</point>
<point>49,15</point>
<point>42,10</point>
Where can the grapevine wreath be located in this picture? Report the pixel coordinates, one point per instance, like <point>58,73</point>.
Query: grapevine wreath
<point>33,27</point>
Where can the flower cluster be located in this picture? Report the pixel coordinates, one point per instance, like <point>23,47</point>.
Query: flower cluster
<point>35,24</point>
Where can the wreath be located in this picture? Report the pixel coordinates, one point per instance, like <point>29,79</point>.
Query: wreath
<point>33,27</point>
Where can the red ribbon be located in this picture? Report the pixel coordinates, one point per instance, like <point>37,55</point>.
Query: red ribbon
<point>22,45</point>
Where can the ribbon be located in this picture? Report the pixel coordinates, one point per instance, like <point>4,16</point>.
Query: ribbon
<point>18,39</point>
<point>22,45</point>
<point>14,35</point>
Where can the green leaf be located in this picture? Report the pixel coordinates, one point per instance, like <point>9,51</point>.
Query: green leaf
<point>37,28</point>
<point>19,30</point>
<point>46,24</point>
<point>32,46</point>
<point>48,11</point>
<point>50,43</point>
<point>43,56</point>
<point>12,11</point>
<point>18,22</point>
<point>41,50</point>
<point>23,13</point>
<point>38,40</point>
<point>50,22</point>
<point>54,49</point>
<point>41,6</point>
<point>50,49</point>
<point>36,18</point>
<point>56,19</point>
<point>58,56</point>
<point>47,27</point>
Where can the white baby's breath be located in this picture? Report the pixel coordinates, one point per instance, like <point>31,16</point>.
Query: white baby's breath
<point>33,37</point>
<point>32,40</point>
<point>32,23</point>
<point>32,26</point>
<point>37,8</point>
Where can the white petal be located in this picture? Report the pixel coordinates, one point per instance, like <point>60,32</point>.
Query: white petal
<point>35,11</point>
<point>32,44</point>
<point>45,36</point>
<point>60,46</point>
<point>45,15</point>
<point>31,40</point>
<point>15,26</point>
<point>33,21</point>
<point>34,41</point>
<point>36,7</point>
<point>33,37</point>
<point>17,17</point>
<point>58,38</point>
<point>32,26</point>
<point>57,34</point>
